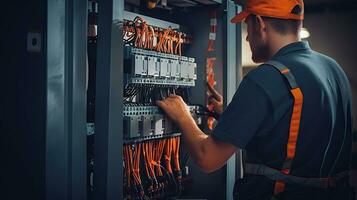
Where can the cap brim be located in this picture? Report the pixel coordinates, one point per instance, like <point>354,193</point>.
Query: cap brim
<point>240,17</point>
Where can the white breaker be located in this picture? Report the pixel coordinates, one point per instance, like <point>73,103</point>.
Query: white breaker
<point>150,67</point>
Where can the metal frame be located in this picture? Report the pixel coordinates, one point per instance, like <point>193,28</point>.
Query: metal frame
<point>77,26</point>
<point>56,138</point>
<point>239,78</point>
<point>66,100</point>
<point>232,74</point>
<point>206,186</point>
<point>108,168</point>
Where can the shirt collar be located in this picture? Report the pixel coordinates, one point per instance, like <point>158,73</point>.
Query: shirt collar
<point>292,47</point>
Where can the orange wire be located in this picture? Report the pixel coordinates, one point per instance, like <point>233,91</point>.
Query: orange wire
<point>162,39</point>
<point>161,145</point>
<point>145,153</point>
<point>167,40</point>
<point>127,165</point>
<point>152,36</point>
<point>180,44</point>
<point>176,154</point>
<point>155,146</point>
<point>158,159</point>
<point>136,169</point>
<point>132,166</point>
<point>144,35</point>
<point>176,40</point>
<point>149,159</point>
<point>168,155</point>
<point>150,145</point>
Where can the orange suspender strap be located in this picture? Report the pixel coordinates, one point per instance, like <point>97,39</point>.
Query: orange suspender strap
<point>294,123</point>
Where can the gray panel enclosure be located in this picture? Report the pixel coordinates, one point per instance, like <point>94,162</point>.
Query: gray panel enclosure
<point>230,86</point>
<point>232,78</point>
<point>209,186</point>
<point>77,25</point>
<point>66,100</point>
<point>108,169</point>
<point>218,185</point>
<point>56,137</point>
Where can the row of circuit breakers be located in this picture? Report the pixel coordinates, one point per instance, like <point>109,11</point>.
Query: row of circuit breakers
<point>149,121</point>
<point>147,67</point>
<point>150,67</point>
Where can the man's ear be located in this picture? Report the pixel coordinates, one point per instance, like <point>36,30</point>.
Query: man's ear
<point>261,23</point>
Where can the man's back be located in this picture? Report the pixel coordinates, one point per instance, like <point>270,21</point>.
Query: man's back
<point>324,141</point>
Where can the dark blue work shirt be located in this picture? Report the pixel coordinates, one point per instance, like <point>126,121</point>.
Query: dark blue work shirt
<point>258,118</point>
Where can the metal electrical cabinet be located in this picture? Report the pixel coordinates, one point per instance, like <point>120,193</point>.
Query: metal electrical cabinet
<point>114,121</point>
<point>69,132</point>
<point>43,116</point>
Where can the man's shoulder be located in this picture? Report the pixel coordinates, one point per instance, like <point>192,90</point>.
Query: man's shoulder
<point>333,66</point>
<point>269,79</point>
<point>325,58</point>
<point>264,74</point>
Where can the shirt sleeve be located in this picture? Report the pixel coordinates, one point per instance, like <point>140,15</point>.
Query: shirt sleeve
<point>248,114</point>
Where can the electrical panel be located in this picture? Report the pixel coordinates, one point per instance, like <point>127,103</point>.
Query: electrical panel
<point>154,68</point>
<point>158,61</point>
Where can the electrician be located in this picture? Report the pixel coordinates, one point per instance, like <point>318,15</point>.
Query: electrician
<point>291,115</point>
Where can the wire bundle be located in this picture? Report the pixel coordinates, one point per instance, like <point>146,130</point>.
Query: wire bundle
<point>146,95</point>
<point>138,33</point>
<point>158,181</point>
<point>132,171</point>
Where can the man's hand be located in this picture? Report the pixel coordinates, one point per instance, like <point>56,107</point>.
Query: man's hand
<point>216,99</point>
<point>176,109</point>
<point>209,154</point>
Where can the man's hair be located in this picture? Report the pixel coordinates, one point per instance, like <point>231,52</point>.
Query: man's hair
<point>284,26</point>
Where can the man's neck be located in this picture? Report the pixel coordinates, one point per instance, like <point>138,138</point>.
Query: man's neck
<point>279,42</point>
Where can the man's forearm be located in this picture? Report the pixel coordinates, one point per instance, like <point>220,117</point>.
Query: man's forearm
<point>209,154</point>
<point>193,138</point>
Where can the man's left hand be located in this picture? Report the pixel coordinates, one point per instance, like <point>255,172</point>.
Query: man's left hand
<point>176,109</point>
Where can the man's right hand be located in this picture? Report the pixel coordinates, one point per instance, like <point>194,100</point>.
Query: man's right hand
<point>216,99</point>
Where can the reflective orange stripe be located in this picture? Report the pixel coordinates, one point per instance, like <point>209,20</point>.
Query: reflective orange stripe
<point>285,71</point>
<point>279,187</point>
<point>295,122</point>
<point>293,135</point>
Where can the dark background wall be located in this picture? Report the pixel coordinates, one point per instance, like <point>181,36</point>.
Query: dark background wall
<point>22,103</point>
<point>334,33</point>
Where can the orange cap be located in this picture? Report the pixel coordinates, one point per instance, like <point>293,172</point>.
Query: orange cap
<point>281,9</point>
